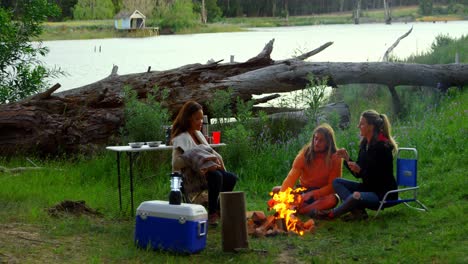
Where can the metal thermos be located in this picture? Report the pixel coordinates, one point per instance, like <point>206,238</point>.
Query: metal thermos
<point>175,196</point>
<point>205,130</point>
<point>168,135</point>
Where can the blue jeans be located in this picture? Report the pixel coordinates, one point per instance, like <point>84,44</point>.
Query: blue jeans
<point>345,189</point>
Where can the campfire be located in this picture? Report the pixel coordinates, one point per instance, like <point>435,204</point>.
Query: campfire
<point>284,220</point>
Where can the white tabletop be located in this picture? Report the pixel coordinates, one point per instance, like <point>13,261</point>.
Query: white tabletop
<point>148,148</point>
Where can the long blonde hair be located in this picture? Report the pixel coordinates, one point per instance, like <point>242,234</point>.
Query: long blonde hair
<point>327,131</point>
<point>381,125</point>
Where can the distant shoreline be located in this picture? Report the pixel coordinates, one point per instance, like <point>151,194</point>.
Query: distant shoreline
<point>100,29</point>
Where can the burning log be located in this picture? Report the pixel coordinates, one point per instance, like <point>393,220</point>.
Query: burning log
<point>281,224</point>
<point>273,225</point>
<point>284,220</point>
<point>270,220</point>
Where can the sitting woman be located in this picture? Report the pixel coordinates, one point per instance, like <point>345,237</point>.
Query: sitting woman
<point>186,135</point>
<point>374,166</point>
<point>316,166</point>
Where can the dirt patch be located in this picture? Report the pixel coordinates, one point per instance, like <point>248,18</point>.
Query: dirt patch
<point>76,208</point>
<point>15,238</point>
<point>288,256</point>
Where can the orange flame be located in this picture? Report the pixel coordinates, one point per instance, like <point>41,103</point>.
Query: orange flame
<point>285,204</point>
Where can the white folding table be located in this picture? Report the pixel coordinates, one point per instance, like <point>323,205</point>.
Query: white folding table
<point>130,153</point>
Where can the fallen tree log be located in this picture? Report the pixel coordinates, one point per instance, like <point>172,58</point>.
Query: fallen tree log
<point>297,119</point>
<point>86,118</point>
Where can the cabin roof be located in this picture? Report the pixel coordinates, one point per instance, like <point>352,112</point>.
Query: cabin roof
<point>129,14</point>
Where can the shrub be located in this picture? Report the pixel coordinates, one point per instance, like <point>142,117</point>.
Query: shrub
<point>179,16</point>
<point>220,107</point>
<point>144,120</point>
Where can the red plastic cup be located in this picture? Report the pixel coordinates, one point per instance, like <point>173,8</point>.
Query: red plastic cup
<point>216,137</point>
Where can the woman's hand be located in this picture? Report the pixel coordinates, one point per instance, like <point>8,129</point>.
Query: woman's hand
<point>342,153</point>
<point>307,196</point>
<point>220,164</point>
<point>354,167</point>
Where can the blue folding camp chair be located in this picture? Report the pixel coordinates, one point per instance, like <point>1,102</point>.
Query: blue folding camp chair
<point>407,170</point>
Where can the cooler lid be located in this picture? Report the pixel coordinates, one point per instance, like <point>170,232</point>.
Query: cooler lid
<point>165,210</point>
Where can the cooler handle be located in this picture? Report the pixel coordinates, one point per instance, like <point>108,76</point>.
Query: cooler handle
<point>202,228</point>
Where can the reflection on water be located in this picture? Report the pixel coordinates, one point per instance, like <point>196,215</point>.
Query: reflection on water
<point>87,61</point>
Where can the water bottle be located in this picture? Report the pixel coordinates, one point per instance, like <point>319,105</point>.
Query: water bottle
<point>175,196</point>
<point>205,129</point>
<point>168,135</point>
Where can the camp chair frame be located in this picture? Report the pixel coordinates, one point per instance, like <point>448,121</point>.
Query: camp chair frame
<point>406,176</point>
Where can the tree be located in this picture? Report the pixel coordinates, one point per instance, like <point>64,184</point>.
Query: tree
<point>67,8</point>
<point>387,12</point>
<point>93,9</point>
<point>179,16</point>
<point>425,7</point>
<point>213,11</point>
<point>357,12</point>
<point>21,73</point>
<point>204,18</point>
<point>144,6</point>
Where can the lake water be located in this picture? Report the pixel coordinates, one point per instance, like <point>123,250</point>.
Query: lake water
<point>87,61</point>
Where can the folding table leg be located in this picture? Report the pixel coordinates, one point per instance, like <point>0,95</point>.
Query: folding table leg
<point>118,180</point>
<point>130,155</point>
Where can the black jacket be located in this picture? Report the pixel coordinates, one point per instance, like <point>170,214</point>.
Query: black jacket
<point>376,173</point>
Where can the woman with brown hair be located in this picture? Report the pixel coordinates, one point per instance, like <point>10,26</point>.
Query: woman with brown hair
<point>185,136</point>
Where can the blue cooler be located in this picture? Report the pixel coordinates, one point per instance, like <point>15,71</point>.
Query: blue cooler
<point>179,228</point>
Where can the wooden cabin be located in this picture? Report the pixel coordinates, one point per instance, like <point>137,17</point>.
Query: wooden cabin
<point>129,20</point>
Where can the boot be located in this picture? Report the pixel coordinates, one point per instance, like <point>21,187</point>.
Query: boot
<point>356,215</point>
<point>321,214</point>
<point>349,204</point>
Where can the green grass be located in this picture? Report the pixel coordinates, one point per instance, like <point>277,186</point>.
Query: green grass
<point>397,235</point>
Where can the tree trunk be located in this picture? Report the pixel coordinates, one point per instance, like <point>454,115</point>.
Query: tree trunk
<point>395,98</point>
<point>89,117</point>
<point>388,15</point>
<point>357,12</point>
<point>204,16</point>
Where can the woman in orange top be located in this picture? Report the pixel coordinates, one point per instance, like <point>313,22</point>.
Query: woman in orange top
<point>316,166</point>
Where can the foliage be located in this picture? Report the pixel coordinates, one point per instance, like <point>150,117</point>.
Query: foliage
<point>241,140</point>
<point>458,8</point>
<point>425,7</point>
<point>93,9</point>
<point>314,96</point>
<point>220,106</point>
<point>214,13</point>
<point>144,6</point>
<point>144,121</point>
<point>309,12</point>
<point>443,50</point>
<point>21,73</point>
<point>67,9</point>
<point>179,16</point>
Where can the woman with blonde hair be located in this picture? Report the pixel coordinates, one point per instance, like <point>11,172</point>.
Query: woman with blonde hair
<point>315,166</point>
<point>374,166</point>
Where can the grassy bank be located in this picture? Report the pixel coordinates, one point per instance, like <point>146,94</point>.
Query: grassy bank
<point>105,28</point>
